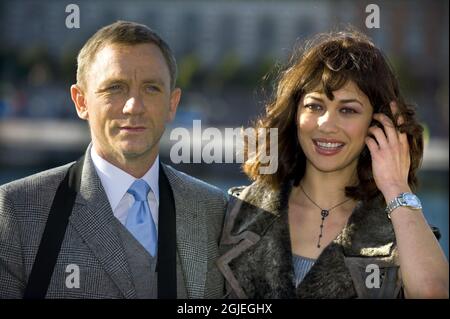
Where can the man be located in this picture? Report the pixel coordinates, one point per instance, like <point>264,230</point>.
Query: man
<point>113,245</point>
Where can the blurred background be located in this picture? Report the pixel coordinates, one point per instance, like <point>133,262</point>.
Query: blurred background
<point>224,49</point>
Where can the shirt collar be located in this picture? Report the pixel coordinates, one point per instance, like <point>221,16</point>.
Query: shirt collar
<point>116,182</point>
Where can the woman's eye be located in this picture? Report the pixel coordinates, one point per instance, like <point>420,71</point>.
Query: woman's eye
<point>314,107</point>
<point>348,110</point>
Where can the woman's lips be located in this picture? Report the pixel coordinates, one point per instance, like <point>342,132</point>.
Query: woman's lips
<point>328,147</point>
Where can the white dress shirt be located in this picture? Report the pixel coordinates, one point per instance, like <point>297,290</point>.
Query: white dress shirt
<point>116,183</point>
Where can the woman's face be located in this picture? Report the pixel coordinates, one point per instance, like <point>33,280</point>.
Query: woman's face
<point>331,133</point>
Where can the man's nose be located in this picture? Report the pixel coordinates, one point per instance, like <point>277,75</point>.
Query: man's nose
<point>328,122</point>
<point>134,105</point>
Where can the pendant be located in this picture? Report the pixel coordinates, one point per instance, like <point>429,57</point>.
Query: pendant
<point>324,214</point>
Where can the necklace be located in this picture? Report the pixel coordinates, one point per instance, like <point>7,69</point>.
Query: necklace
<point>324,212</point>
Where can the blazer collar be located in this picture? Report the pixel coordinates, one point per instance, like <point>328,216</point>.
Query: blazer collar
<point>191,233</point>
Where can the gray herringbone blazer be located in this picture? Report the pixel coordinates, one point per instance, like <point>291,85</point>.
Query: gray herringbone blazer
<point>92,241</point>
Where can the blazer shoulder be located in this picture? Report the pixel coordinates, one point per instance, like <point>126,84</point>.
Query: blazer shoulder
<point>236,190</point>
<point>250,208</point>
<point>40,183</point>
<point>258,195</point>
<point>191,184</point>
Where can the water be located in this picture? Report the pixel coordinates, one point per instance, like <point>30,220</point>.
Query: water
<point>433,193</point>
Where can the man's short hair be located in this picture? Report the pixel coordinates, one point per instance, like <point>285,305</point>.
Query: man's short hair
<point>122,33</point>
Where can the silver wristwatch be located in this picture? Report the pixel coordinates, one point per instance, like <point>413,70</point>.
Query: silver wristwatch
<point>404,199</point>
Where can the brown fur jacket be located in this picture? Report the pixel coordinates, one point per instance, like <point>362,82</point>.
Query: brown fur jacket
<point>256,256</point>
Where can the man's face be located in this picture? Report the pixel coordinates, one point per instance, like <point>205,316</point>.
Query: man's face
<point>127,102</point>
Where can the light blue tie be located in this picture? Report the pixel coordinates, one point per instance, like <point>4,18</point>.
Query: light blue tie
<point>140,221</point>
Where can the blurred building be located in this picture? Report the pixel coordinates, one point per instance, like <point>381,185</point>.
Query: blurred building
<point>414,29</point>
<point>234,36</point>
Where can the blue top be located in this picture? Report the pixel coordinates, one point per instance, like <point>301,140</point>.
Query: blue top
<point>302,265</point>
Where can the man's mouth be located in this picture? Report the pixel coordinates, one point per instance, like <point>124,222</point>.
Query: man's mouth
<point>132,129</point>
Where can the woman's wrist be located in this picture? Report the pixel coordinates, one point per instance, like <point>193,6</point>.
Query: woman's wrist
<point>394,190</point>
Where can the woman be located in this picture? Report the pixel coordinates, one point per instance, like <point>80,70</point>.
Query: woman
<point>326,223</point>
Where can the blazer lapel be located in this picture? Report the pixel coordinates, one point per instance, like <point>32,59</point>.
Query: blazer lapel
<point>266,268</point>
<point>191,234</point>
<point>93,219</point>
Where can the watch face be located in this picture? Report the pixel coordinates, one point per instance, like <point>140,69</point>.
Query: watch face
<point>412,201</point>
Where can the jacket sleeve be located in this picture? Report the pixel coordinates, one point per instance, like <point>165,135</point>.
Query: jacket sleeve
<point>12,273</point>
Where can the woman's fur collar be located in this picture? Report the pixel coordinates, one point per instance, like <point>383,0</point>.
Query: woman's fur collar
<point>257,258</point>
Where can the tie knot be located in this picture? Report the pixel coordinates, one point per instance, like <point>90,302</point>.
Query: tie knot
<point>139,189</point>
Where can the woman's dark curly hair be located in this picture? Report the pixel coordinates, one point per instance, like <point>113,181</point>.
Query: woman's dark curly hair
<point>329,61</point>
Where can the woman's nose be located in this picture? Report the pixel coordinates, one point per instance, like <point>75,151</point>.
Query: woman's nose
<point>328,122</point>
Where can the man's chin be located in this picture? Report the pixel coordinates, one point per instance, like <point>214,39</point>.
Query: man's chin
<point>133,152</point>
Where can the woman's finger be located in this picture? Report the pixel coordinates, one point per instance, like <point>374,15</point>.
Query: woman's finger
<point>379,135</point>
<point>389,129</point>
<point>371,145</point>
<point>394,110</point>
<point>403,138</point>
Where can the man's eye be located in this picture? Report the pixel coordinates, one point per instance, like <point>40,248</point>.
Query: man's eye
<point>114,88</point>
<point>152,88</point>
<point>314,107</point>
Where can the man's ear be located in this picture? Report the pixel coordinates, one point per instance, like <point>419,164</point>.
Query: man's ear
<point>79,99</point>
<point>175,97</point>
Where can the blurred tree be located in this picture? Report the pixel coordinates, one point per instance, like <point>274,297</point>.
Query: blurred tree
<point>258,71</point>
<point>39,66</point>
<point>405,74</point>
<point>68,65</point>
<point>188,70</point>
<point>226,73</point>
<point>10,70</point>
